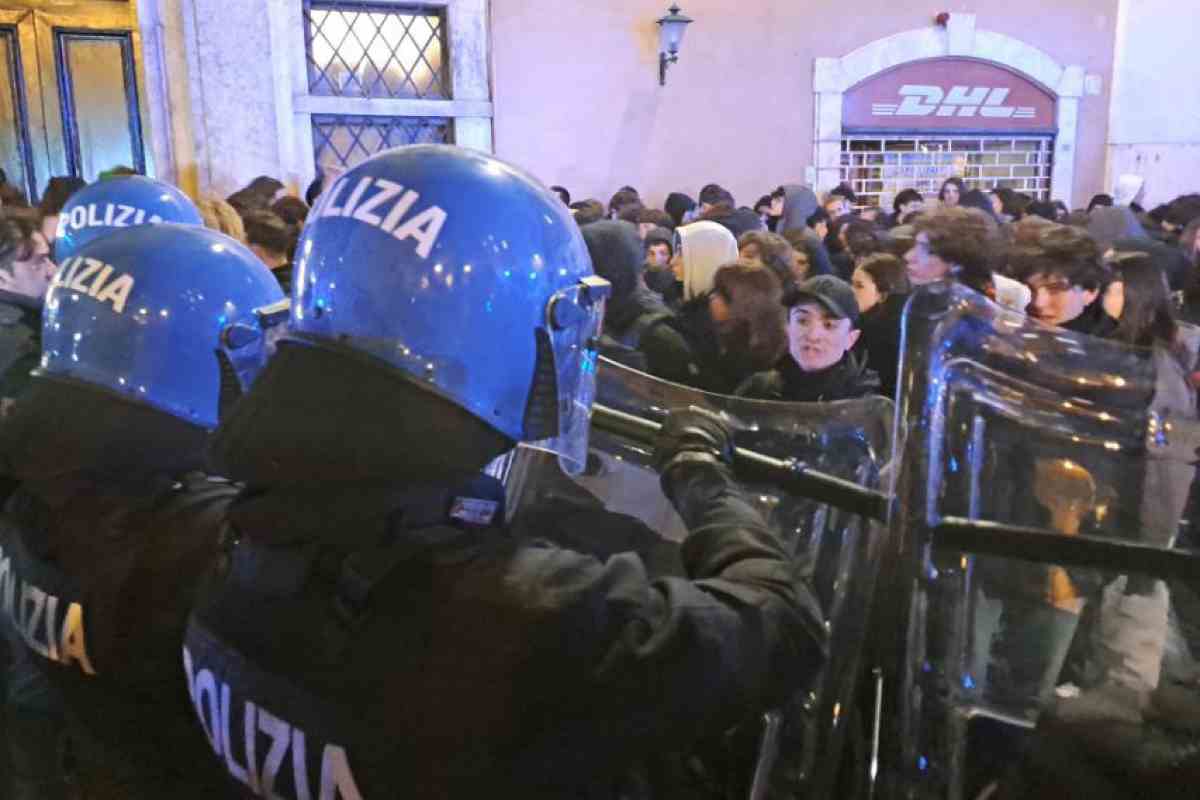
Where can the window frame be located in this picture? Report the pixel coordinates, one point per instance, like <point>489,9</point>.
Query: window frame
<point>468,51</point>
<point>369,6</point>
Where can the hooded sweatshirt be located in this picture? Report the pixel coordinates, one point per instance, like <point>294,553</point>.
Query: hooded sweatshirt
<point>706,247</point>
<point>799,203</point>
<point>1127,189</point>
<point>616,255</point>
<point>1107,225</point>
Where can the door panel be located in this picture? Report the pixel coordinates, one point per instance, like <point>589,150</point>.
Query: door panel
<point>15,157</point>
<point>97,94</point>
<point>82,84</point>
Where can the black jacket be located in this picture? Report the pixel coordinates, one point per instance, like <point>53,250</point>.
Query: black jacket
<point>686,350</point>
<point>846,380</point>
<point>736,220</point>
<point>20,349</point>
<point>879,344</point>
<point>115,566</point>
<point>1094,321</point>
<point>458,662</point>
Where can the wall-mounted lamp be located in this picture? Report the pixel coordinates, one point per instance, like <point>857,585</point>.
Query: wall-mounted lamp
<point>670,36</point>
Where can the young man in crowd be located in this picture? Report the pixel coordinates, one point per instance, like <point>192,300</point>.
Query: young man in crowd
<point>1063,270</point>
<point>822,328</point>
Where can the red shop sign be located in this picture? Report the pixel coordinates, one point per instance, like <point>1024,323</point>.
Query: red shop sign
<point>949,94</point>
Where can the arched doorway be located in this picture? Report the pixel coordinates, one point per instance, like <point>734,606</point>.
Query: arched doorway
<point>913,108</point>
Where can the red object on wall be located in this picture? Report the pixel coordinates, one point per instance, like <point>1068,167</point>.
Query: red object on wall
<point>948,95</point>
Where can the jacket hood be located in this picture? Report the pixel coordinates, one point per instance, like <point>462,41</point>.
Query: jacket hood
<point>616,255</point>
<point>1106,225</point>
<point>705,247</point>
<point>798,205</point>
<point>1127,189</point>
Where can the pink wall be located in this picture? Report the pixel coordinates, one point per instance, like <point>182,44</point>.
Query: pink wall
<point>577,99</point>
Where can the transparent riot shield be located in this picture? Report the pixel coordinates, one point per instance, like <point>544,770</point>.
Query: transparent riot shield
<point>1044,581</point>
<point>796,749</point>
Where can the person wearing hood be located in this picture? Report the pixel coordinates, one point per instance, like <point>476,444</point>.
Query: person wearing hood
<point>799,204</point>
<point>685,349</point>
<point>1107,225</point>
<point>632,309</point>
<point>1129,191</point>
<point>822,329</point>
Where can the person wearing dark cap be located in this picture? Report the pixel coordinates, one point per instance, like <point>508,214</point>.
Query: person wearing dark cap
<point>822,329</point>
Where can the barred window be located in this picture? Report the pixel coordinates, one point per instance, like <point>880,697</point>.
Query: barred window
<point>341,140</point>
<point>371,50</point>
<point>879,167</point>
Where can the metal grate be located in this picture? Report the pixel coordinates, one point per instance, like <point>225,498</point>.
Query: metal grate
<point>879,167</point>
<point>340,141</point>
<point>370,50</point>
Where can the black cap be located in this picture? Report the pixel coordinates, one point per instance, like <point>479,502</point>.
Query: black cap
<point>833,293</point>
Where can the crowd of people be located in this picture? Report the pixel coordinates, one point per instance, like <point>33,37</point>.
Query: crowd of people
<point>351,507</point>
<point>800,298</point>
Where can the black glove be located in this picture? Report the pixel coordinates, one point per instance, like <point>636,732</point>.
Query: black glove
<point>693,435</point>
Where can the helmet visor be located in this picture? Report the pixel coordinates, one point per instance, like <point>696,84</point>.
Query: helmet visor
<point>574,317</point>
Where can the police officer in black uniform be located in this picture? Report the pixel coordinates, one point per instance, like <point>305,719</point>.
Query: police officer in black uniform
<point>376,631</point>
<point>31,725</point>
<point>113,524</point>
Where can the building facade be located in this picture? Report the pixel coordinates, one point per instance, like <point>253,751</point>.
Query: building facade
<point>1054,101</point>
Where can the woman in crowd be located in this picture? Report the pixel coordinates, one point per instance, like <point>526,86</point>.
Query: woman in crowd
<point>220,216</point>
<point>839,253</point>
<point>773,252</point>
<point>881,288</point>
<point>726,335</point>
<point>863,238</point>
<point>952,191</point>
<point>685,349</point>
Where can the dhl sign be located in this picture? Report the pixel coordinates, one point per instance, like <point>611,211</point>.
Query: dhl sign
<point>949,94</point>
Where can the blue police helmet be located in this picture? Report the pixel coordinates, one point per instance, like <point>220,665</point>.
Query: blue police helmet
<point>116,203</point>
<point>466,274</point>
<point>143,311</point>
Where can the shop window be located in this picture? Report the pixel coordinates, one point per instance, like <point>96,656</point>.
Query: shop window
<point>880,167</point>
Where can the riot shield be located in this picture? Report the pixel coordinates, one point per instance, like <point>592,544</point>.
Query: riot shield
<point>799,747</point>
<point>1044,578</point>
